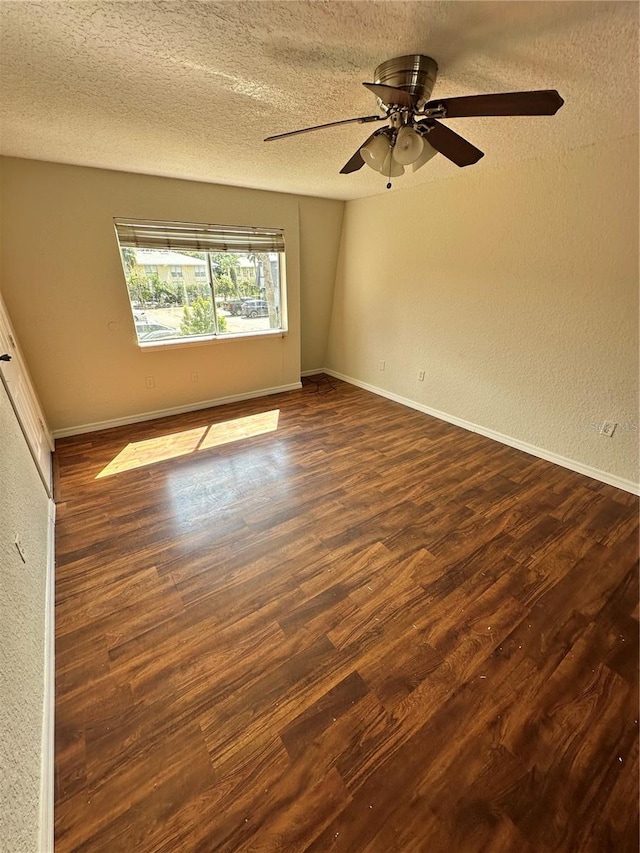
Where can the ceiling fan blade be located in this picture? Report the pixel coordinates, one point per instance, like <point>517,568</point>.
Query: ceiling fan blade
<point>359,120</point>
<point>545,102</point>
<point>356,162</point>
<point>449,143</point>
<point>391,96</point>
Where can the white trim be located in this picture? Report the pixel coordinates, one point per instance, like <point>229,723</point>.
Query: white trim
<point>539,452</point>
<point>25,403</point>
<point>181,343</point>
<point>47,786</point>
<point>313,372</point>
<point>175,410</point>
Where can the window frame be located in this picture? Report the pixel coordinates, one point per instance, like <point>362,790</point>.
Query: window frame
<point>216,336</point>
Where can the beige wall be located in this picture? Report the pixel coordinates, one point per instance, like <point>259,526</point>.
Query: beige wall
<point>64,288</point>
<point>318,275</point>
<point>24,511</point>
<point>516,290</point>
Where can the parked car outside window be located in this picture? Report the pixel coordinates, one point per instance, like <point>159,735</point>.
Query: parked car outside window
<point>255,308</point>
<point>233,306</point>
<point>151,331</point>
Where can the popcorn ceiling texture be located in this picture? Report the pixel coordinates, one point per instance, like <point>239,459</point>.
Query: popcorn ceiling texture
<point>190,90</point>
<point>23,510</point>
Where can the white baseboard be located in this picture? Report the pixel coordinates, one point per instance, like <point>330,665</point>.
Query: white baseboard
<point>175,410</point>
<point>313,372</point>
<point>47,778</point>
<point>539,452</point>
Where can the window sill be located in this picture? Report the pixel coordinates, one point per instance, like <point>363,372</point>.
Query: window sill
<point>156,346</point>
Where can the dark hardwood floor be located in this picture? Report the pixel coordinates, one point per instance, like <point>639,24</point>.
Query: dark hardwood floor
<point>356,628</point>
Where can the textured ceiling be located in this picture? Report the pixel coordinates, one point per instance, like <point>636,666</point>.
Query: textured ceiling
<point>190,89</point>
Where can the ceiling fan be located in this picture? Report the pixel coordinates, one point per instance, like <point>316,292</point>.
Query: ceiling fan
<point>414,134</point>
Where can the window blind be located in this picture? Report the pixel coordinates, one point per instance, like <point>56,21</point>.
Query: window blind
<point>150,234</point>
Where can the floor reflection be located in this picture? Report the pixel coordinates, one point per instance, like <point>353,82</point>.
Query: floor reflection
<point>139,454</point>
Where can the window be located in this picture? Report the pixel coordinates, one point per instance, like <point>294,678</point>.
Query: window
<point>208,281</point>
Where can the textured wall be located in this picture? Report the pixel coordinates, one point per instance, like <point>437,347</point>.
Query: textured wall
<point>65,291</point>
<point>516,290</point>
<point>319,243</point>
<point>23,510</point>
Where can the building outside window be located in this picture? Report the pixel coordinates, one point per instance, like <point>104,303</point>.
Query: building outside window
<point>192,281</point>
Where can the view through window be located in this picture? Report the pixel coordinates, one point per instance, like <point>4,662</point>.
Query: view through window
<point>193,281</point>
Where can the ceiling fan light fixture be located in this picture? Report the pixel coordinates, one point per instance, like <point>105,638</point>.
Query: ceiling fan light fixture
<point>391,168</point>
<point>375,152</point>
<point>427,153</point>
<point>409,146</point>
<point>403,86</point>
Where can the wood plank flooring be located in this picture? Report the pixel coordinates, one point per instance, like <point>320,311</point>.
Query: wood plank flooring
<point>331,623</point>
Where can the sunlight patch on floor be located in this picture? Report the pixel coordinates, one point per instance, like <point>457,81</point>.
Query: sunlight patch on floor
<point>141,453</point>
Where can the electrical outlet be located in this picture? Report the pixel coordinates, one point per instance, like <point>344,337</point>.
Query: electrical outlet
<point>382,365</point>
<point>194,375</point>
<point>150,381</point>
<point>421,376</point>
<point>20,548</point>
<point>608,428</point>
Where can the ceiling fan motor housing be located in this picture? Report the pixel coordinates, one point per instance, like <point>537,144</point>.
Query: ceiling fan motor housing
<point>414,73</point>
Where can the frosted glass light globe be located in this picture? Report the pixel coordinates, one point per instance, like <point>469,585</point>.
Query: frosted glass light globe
<point>391,168</point>
<point>408,146</point>
<point>427,153</point>
<point>375,151</point>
